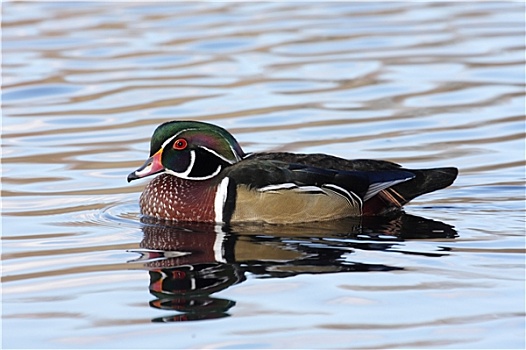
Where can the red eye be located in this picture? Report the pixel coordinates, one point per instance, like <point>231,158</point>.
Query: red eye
<point>180,144</point>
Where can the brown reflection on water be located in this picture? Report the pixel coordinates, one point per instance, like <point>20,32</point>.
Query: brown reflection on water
<point>188,263</point>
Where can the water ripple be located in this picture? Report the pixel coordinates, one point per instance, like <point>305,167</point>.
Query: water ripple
<point>422,84</point>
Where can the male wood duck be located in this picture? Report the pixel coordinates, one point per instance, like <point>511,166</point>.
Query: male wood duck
<point>206,177</point>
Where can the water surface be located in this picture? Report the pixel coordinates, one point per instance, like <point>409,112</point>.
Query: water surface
<point>425,85</point>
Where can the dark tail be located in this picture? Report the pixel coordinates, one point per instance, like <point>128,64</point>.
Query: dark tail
<point>425,181</point>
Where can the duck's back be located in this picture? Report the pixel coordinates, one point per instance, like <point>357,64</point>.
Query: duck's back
<point>392,198</point>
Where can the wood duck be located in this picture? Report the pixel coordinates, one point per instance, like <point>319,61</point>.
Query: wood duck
<point>206,177</point>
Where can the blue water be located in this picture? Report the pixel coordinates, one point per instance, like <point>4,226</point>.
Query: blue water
<point>422,84</point>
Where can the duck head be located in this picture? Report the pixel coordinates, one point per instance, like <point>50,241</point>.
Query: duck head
<point>189,150</point>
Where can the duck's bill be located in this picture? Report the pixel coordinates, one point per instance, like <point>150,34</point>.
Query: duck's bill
<point>152,166</point>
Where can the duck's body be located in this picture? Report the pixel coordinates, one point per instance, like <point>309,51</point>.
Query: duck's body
<point>208,178</point>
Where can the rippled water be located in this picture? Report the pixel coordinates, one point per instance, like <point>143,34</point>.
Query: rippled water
<point>425,85</point>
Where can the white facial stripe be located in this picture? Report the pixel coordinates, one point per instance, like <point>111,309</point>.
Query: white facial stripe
<point>220,199</point>
<point>218,170</point>
<point>238,158</point>
<point>174,136</point>
<point>185,174</point>
<point>190,167</point>
<point>217,154</point>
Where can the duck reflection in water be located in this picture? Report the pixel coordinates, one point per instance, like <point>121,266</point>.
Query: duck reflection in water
<point>189,262</point>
